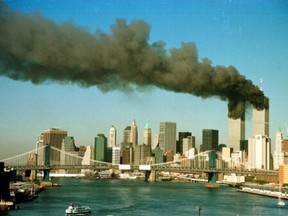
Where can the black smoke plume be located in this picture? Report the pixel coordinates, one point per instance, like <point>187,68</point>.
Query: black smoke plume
<point>33,48</point>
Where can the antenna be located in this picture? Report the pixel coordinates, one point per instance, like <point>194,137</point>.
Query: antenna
<point>261,84</point>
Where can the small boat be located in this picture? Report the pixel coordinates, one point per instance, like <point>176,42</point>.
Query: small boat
<point>77,210</point>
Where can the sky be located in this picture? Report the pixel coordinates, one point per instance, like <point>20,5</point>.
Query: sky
<point>251,36</point>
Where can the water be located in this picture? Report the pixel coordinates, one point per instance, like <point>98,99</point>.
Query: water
<point>132,197</point>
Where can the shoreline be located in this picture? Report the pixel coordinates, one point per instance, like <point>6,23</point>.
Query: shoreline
<point>263,192</point>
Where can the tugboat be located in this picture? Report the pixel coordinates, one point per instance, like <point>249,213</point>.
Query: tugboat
<point>75,210</point>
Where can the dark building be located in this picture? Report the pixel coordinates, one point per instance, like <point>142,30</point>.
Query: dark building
<point>210,140</point>
<point>100,149</point>
<point>179,146</point>
<point>4,183</point>
<point>244,146</point>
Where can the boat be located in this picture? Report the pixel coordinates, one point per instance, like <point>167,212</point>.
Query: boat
<point>77,210</point>
<point>280,201</point>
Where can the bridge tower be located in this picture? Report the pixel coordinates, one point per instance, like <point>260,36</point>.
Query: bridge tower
<point>46,177</point>
<point>212,175</point>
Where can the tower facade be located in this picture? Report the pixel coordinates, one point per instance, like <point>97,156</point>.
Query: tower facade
<point>100,148</point>
<point>112,137</point>
<point>181,136</point>
<point>210,140</point>
<point>236,132</point>
<point>134,134</point>
<point>54,137</point>
<point>260,122</point>
<point>147,135</point>
<point>167,136</point>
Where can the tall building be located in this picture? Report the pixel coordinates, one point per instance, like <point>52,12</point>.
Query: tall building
<point>186,144</point>
<point>260,122</point>
<point>69,144</point>
<point>126,135</point>
<point>134,134</point>
<point>88,156</point>
<point>147,135</point>
<point>278,156</point>
<point>141,152</point>
<point>116,155</point>
<point>236,132</point>
<point>259,148</point>
<point>112,137</point>
<point>210,140</point>
<point>181,136</point>
<point>54,137</point>
<point>100,147</point>
<point>167,136</point>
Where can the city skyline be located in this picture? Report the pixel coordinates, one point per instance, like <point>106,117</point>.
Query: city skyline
<point>251,36</point>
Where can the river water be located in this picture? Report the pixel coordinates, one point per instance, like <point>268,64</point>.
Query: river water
<point>133,197</point>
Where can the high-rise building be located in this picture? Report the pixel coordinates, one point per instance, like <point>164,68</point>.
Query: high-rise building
<point>186,144</point>
<point>116,155</point>
<point>147,135</point>
<point>112,137</point>
<point>54,137</point>
<point>167,136</point>
<point>134,134</point>
<point>210,140</point>
<point>100,147</point>
<point>126,135</point>
<point>260,122</point>
<point>259,148</point>
<point>88,156</point>
<point>278,156</point>
<point>236,132</point>
<point>283,174</point>
<point>155,141</point>
<point>141,152</point>
<point>69,144</point>
<point>181,136</point>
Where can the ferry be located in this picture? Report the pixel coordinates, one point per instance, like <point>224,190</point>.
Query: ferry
<point>75,210</point>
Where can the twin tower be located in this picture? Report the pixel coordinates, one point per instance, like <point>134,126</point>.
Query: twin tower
<point>258,143</point>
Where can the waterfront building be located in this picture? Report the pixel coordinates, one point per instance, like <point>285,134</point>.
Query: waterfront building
<point>112,137</point>
<point>116,155</point>
<point>167,136</point>
<point>259,148</point>
<point>278,156</point>
<point>181,136</point>
<point>283,174</point>
<point>236,132</point>
<point>210,140</point>
<point>134,134</point>
<point>147,135</point>
<point>226,156</point>
<point>54,137</point>
<point>285,150</point>
<point>100,147</point>
<point>237,159</point>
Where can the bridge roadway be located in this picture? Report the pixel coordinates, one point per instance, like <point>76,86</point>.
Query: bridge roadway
<point>150,167</point>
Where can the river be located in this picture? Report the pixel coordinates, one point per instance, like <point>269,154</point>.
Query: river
<point>133,197</point>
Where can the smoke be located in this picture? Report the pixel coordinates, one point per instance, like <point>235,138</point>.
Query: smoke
<point>33,48</point>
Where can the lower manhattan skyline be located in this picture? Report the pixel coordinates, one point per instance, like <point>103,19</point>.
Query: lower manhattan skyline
<point>250,36</point>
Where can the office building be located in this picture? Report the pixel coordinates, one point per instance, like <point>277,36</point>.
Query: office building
<point>210,140</point>
<point>54,137</point>
<point>134,134</point>
<point>260,122</point>
<point>236,132</point>
<point>283,174</point>
<point>167,136</point>
<point>87,159</point>
<point>116,155</point>
<point>186,144</point>
<point>278,156</point>
<point>112,137</point>
<point>181,136</point>
<point>141,153</point>
<point>100,147</point>
<point>126,135</point>
<point>259,156</point>
<point>155,141</point>
<point>147,135</point>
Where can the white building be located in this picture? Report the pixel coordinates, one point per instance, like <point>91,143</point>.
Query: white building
<point>88,156</point>
<point>134,134</point>
<point>259,149</point>
<point>112,137</point>
<point>116,154</point>
<point>278,155</point>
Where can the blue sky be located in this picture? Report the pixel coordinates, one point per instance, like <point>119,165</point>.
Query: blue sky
<point>250,35</point>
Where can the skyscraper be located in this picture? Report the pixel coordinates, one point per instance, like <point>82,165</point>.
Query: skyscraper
<point>259,149</point>
<point>181,135</point>
<point>210,140</point>
<point>236,132</point>
<point>112,137</point>
<point>54,137</point>
<point>261,122</point>
<point>147,135</point>
<point>100,149</point>
<point>134,134</point>
<point>167,136</point>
